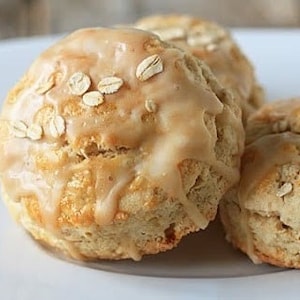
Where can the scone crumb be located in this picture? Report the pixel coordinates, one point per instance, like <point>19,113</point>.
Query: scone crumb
<point>19,129</point>
<point>34,132</point>
<point>57,126</point>
<point>150,106</point>
<point>149,67</point>
<point>285,189</point>
<point>93,98</point>
<point>121,216</point>
<point>79,83</point>
<point>109,85</point>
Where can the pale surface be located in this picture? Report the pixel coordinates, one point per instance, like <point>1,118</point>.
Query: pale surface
<point>219,272</point>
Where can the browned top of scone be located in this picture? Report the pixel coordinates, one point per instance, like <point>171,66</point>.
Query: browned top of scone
<point>215,45</point>
<point>99,112</point>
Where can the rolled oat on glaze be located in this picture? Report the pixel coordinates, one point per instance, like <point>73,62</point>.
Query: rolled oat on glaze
<point>93,98</point>
<point>79,83</point>
<point>57,126</point>
<point>149,67</point>
<point>19,129</point>
<point>109,85</point>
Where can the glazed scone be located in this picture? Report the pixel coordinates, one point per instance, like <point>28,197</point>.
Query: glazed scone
<point>115,145</point>
<point>214,45</point>
<point>261,216</point>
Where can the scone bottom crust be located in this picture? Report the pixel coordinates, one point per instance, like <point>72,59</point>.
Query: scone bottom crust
<point>101,150</point>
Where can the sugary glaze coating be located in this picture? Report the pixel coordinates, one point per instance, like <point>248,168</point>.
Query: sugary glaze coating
<point>214,45</point>
<point>115,145</point>
<point>261,215</point>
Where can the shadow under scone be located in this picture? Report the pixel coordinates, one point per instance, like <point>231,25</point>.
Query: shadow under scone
<point>200,255</point>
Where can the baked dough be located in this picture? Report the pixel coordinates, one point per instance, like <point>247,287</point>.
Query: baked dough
<point>261,215</point>
<point>214,45</point>
<point>115,144</point>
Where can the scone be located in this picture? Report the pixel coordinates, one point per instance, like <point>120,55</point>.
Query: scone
<point>261,215</point>
<point>213,44</point>
<point>115,144</point>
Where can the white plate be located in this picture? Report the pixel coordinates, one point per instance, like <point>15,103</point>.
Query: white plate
<point>204,266</point>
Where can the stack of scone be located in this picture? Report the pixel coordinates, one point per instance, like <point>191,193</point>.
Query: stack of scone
<point>118,142</point>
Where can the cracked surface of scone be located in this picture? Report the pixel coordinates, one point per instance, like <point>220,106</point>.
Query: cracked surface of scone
<point>115,144</point>
<point>215,45</point>
<point>261,216</point>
